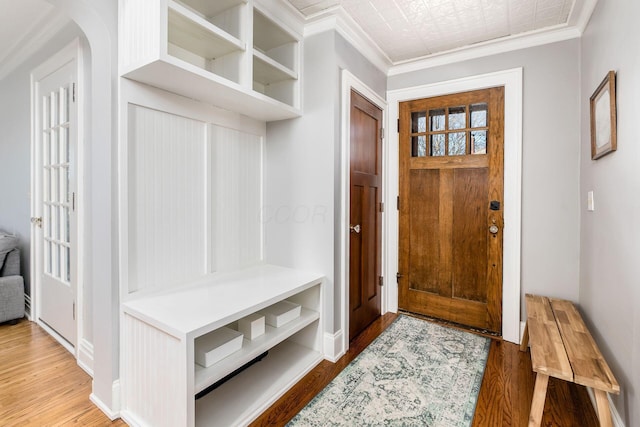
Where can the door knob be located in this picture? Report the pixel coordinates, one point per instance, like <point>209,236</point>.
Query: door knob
<point>493,229</point>
<point>37,221</point>
<point>355,228</point>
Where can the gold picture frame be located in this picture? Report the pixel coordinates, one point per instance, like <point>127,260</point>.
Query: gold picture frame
<point>603,118</point>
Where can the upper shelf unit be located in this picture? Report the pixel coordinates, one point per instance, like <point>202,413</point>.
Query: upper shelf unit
<point>228,53</point>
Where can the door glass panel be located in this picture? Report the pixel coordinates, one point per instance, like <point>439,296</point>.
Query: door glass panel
<point>478,115</point>
<point>419,146</point>
<point>479,142</point>
<point>419,122</point>
<point>457,144</point>
<point>436,120</point>
<point>457,117</point>
<point>437,144</point>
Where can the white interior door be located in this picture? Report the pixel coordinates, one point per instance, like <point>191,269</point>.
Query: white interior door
<point>57,128</point>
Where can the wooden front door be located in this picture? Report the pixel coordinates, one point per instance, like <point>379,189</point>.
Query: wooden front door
<point>451,207</point>
<point>365,214</point>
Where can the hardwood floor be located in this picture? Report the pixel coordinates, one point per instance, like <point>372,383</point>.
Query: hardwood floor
<point>40,382</point>
<point>504,399</point>
<point>41,385</point>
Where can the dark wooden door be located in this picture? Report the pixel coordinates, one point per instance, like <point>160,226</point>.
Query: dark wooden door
<point>365,214</point>
<point>451,207</point>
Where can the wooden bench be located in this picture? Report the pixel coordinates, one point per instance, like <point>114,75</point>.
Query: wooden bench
<point>562,347</point>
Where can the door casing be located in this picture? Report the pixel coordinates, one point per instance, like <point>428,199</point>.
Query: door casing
<point>512,81</point>
<point>338,344</point>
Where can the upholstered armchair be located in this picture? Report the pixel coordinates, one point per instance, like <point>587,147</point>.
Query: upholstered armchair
<point>11,282</point>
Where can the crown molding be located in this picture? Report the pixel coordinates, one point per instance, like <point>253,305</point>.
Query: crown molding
<point>488,48</point>
<point>336,18</point>
<point>43,31</point>
<point>581,13</point>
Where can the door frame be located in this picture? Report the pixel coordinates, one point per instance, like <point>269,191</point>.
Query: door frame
<point>72,51</point>
<point>512,81</point>
<point>349,82</point>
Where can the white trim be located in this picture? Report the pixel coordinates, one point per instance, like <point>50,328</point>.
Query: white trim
<point>74,51</point>
<point>47,27</point>
<point>488,48</point>
<point>522,326</point>
<point>333,346</point>
<point>350,81</point>
<point>85,356</point>
<point>512,81</point>
<point>336,18</point>
<point>581,13</point>
<point>112,414</point>
<point>615,415</point>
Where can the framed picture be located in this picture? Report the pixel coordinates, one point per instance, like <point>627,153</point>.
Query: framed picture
<point>603,117</point>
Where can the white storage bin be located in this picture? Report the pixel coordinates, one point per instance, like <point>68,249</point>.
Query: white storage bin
<point>217,345</point>
<point>281,313</point>
<point>252,326</point>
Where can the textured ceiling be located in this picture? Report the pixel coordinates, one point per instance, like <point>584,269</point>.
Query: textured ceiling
<point>409,29</point>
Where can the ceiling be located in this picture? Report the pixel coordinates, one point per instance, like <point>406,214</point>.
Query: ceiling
<point>409,29</point>
<point>24,26</point>
<point>402,30</point>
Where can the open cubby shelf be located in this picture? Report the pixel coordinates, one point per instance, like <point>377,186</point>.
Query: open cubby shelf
<point>159,334</point>
<point>212,43</point>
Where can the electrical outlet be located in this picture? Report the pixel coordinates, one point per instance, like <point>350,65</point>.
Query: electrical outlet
<point>590,205</point>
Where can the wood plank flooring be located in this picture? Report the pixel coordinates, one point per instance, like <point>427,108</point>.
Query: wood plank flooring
<point>504,399</point>
<point>41,385</point>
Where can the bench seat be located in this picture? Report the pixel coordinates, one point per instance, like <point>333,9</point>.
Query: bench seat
<point>562,347</point>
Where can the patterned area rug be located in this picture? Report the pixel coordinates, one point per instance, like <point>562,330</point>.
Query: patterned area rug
<point>416,373</point>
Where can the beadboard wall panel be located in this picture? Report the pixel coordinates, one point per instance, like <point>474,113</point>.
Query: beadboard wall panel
<point>142,35</point>
<point>236,198</point>
<point>166,199</point>
<point>160,365</point>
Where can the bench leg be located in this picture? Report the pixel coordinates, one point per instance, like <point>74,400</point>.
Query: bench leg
<point>604,412</point>
<point>537,403</point>
<point>525,337</point>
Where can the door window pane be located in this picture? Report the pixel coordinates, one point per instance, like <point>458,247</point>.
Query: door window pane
<point>437,144</point>
<point>457,117</point>
<point>478,115</point>
<point>457,144</point>
<point>436,120</point>
<point>479,142</point>
<point>419,146</point>
<point>419,122</point>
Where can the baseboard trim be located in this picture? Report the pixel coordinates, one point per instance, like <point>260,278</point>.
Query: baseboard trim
<point>333,349</point>
<point>522,326</point>
<point>85,356</point>
<point>615,415</point>
<point>115,398</point>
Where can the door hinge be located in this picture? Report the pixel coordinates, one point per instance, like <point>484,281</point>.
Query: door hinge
<point>381,134</point>
<point>398,125</point>
<point>381,207</point>
<point>398,202</point>
<point>398,277</point>
<point>73,201</point>
<point>74,310</point>
<point>73,92</point>
<point>380,281</point>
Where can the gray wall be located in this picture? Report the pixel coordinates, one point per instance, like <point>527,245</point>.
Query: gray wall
<point>302,179</point>
<point>15,146</point>
<point>550,165</point>
<point>610,236</point>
